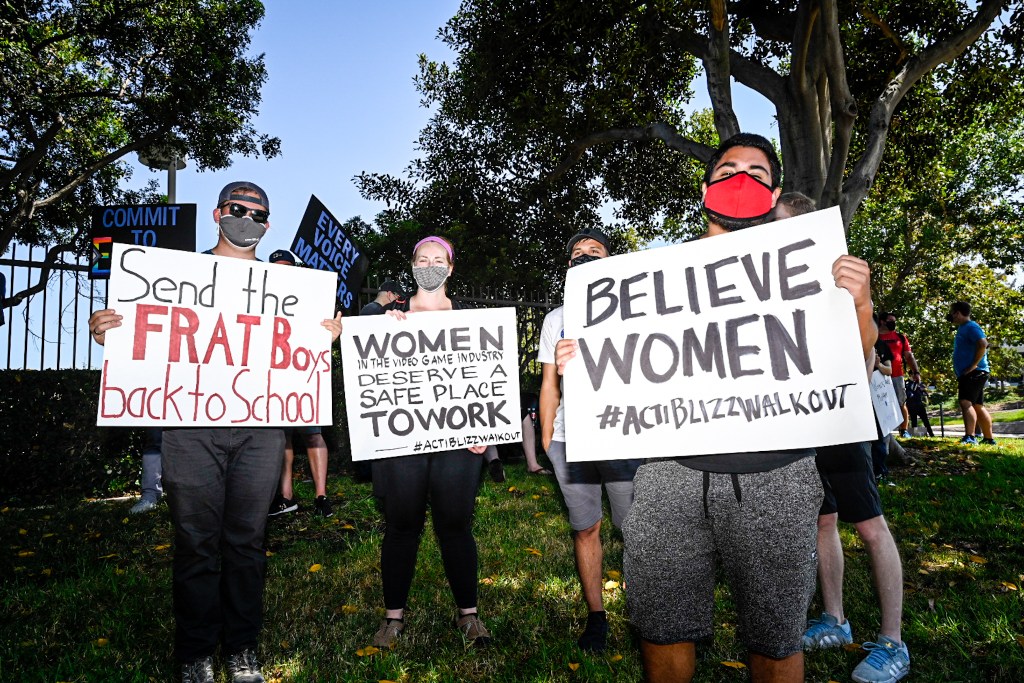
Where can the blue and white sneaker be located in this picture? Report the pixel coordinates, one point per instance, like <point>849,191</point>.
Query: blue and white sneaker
<point>969,441</point>
<point>826,632</point>
<point>887,662</point>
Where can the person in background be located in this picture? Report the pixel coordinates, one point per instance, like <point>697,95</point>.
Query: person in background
<point>316,450</point>
<point>917,405</point>
<point>581,482</point>
<point>389,295</point>
<point>970,363</point>
<point>152,488</point>
<point>902,355</point>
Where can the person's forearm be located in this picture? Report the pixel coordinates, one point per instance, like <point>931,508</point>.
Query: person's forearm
<point>868,329</point>
<point>549,398</point>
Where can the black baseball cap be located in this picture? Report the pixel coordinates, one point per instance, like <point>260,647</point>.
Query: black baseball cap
<point>228,193</point>
<point>283,255</point>
<point>393,287</point>
<point>588,234</point>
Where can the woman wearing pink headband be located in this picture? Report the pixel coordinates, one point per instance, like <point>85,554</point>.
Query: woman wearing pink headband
<point>447,479</point>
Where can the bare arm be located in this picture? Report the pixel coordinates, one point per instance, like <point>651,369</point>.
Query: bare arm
<point>979,353</point>
<point>854,275</point>
<point>550,395</point>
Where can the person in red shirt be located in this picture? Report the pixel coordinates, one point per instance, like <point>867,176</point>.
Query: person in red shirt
<point>903,359</point>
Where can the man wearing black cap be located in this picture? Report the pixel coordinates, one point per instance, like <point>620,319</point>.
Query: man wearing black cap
<point>581,482</point>
<point>388,294</point>
<point>219,483</point>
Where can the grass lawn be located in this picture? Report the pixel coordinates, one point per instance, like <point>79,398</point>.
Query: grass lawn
<point>86,590</point>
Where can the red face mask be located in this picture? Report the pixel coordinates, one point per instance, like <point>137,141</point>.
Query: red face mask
<point>740,195</point>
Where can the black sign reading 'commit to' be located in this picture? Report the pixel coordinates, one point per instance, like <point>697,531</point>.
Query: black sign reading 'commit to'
<point>324,243</point>
<point>167,226</point>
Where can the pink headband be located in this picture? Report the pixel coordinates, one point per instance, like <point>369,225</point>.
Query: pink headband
<point>439,240</point>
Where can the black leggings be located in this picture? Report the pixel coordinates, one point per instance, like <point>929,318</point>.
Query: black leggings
<point>916,410</point>
<point>449,481</point>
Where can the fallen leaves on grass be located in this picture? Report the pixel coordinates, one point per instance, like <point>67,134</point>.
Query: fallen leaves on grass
<point>978,559</point>
<point>349,609</point>
<point>26,553</point>
<point>734,665</point>
<point>573,666</point>
<point>534,551</point>
<point>615,658</point>
<point>367,651</point>
<point>614,575</point>
<point>1009,586</point>
<point>102,642</point>
<point>315,568</point>
<point>162,546</point>
<point>852,647</point>
<point>1020,640</point>
<point>611,585</point>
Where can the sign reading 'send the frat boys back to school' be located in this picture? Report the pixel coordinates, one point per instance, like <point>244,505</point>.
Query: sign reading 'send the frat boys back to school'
<point>167,226</point>
<point>324,243</point>
<point>730,344</point>
<point>436,381</point>
<point>215,341</point>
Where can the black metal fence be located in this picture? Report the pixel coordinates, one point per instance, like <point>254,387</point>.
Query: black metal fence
<point>49,331</point>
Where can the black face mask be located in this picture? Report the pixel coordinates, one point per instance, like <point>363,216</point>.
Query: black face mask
<point>891,324</point>
<point>583,258</point>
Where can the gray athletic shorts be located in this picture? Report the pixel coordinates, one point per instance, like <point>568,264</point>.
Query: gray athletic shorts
<point>765,543</point>
<point>900,385</point>
<point>581,482</point>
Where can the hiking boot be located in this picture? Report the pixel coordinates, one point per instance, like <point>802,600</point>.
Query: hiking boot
<point>887,662</point>
<point>199,671</point>
<point>988,442</point>
<point>969,440</point>
<point>497,470</point>
<point>243,667</point>
<point>144,505</point>
<point>595,634</point>
<point>386,636</point>
<point>322,507</point>
<point>826,632</point>
<point>473,629</point>
<point>282,505</point>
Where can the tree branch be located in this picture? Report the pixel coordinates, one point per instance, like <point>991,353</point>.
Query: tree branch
<point>656,131</point>
<point>863,174</point>
<point>44,275</point>
<point>844,105</point>
<point>86,172</point>
<point>716,67</point>
<point>886,31</point>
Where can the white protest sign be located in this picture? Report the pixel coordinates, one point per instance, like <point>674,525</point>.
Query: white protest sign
<point>886,404</point>
<point>215,341</point>
<point>731,344</point>
<point>435,381</point>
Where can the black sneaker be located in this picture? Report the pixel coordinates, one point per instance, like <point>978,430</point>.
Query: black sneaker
<point>322,507</point>
<point>987,442</point>
<point>243,668</point>
<point>282,505</point>
<point>199,671</point>
<point>595,635</point>
<point>497,470</point>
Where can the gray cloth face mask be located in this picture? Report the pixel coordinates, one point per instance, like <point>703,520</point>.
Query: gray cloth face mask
<point>243,233</point>
<point>430,278</point>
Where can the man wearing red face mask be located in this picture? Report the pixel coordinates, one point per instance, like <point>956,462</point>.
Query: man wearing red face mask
<point>757,512</point>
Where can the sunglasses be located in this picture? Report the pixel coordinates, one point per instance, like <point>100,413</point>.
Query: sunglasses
<point>239,211</point>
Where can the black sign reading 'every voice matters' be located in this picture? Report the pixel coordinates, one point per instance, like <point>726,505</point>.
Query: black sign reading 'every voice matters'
<point>167,226</point>
<point>323,242</point>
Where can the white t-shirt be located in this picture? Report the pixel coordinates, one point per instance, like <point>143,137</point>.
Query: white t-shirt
<point>550,333</point>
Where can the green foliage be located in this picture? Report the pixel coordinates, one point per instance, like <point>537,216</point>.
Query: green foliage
<point>52,447</point>
<point>86,83</point>
<point>557,115</point>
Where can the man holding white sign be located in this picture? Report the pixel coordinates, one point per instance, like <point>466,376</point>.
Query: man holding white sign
<point>785,380</point>
<point>219,480</point>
